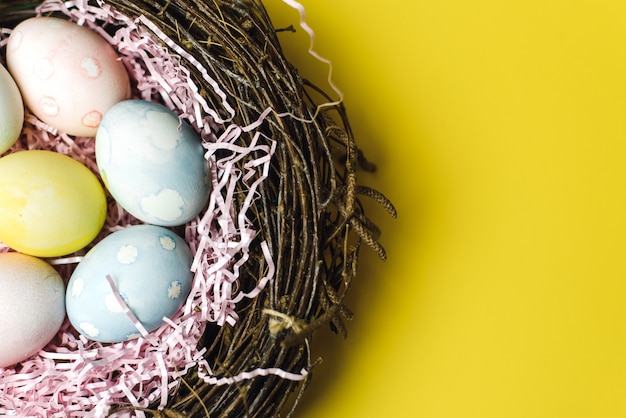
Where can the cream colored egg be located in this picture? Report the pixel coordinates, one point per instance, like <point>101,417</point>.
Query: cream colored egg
<point>32,306</point>
<point>68,74</point>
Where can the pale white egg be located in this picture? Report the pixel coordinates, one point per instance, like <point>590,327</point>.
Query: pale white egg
<point>32,306</point>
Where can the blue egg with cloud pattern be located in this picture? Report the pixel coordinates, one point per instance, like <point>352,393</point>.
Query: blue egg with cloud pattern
<point>152,163</point>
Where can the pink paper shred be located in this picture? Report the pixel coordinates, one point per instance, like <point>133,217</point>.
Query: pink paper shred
<point>311,33</point>
<point>73,376</point>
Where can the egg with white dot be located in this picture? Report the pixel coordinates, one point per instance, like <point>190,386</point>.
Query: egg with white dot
<point>68,74</point>
<point>149,279</point>
<point>152,163</point>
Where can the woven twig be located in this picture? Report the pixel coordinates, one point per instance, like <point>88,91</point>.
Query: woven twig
<point>308,212</point>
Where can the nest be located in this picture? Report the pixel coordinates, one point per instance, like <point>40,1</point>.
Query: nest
<point>306,212</point>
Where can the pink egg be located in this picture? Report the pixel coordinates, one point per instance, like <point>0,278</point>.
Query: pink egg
<point>69,76</point>
<point>32,306</point>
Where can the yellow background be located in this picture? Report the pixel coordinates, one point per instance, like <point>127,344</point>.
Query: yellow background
<point>499,130</point>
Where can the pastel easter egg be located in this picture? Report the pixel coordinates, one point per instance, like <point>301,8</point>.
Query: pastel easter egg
<point>150,269</point>
<point>12,115</point>
<point>68,74</point>
<point>152,163</point>
<point>50,204</point>
<point>32,306</point>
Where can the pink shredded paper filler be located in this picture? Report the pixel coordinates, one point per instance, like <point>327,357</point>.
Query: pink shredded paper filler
<point>74,376</point>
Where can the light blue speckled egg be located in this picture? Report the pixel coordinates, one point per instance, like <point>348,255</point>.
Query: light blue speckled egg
<point>152,163</point>
<point>150,267</point>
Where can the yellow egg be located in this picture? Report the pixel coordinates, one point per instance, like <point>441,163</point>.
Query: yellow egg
<point>50,204</point>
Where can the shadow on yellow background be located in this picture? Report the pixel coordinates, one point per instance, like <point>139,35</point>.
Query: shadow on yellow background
<point>499,130</point>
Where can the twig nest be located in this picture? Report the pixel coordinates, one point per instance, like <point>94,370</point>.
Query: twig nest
<point>274,248</point>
